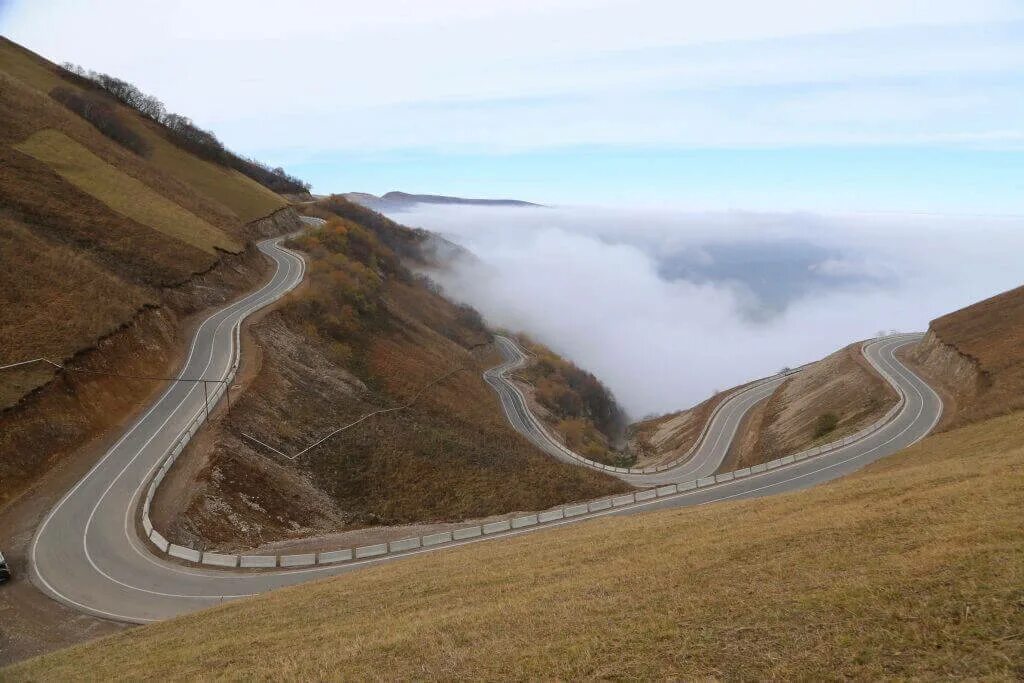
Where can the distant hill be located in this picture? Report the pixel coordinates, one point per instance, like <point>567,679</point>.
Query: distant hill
<point>402,201</point>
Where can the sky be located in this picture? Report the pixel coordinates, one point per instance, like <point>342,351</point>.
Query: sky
<point>878,105</point>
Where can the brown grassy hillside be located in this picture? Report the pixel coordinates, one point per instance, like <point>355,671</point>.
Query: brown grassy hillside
<point>363,335</point>
<point>575,404</point>
<point>909,569</point>
<point>977,355</point>
<point>106,251</point>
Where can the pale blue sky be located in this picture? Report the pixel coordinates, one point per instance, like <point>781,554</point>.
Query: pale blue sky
<point>896,105</point>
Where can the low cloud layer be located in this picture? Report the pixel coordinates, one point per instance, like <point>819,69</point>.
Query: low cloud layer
<point>668,307</point>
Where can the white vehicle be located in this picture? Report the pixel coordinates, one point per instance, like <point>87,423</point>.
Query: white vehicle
<point>5,572</point>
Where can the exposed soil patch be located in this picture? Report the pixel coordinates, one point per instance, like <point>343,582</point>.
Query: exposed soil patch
<point>827,400</point>
<point>976,355</point>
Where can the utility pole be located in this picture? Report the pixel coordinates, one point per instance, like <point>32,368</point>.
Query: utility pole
<point>206,398</point>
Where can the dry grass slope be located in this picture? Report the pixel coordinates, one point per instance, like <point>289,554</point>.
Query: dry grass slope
<point>909,569</point>
<point>229,191</point>
<point>121,192</point>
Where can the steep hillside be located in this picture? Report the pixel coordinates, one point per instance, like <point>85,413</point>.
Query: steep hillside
<point>364,335</point>
<point>908,569</point>
<point>977,355</point>
<point>825,401</point>
<point>111,237</point>
<point>574,404</point>
<point>665,438</point>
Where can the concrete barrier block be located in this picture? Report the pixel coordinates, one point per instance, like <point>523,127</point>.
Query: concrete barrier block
<point>602,504</point>
<point>333,556</point>
<point>550,515</point>
<point>257,561</point>
<point>520,522</point>
<point>646,494</point>
<point>147,525</point>
<point>404,544</point>
<point>437,539</point>
<point>497,527</point>
<point>623,500</point>
<point>666,490</point>
<point>772,464</point>
<point>725,476</point>
<point>219,560</point>
<point>745,472</point>
<point>183,553</point>
<point>787,460</point>
<point>159,541</point>
<point>466,532</point>
<point>371,550</point>
<point>575,510</point>
<point>686,486</point>
<point>301,560</point>
<point>757,469</point>
<point>801,456</point>
<point>705,481</point>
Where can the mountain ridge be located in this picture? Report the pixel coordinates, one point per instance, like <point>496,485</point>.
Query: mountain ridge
<point>402,201</point>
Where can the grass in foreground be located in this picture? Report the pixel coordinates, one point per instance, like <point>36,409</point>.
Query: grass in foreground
<point>912,568</point>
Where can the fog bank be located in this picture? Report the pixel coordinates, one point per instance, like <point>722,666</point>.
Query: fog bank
<point>666,307</point>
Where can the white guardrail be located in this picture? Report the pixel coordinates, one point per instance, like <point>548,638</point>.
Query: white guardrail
<point>405,545</point>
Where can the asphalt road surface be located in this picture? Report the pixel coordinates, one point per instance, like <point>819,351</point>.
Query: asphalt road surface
<point>89,554</point>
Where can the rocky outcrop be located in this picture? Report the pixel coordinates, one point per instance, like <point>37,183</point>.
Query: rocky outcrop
<point>281,222</point>
<point>958,373</point>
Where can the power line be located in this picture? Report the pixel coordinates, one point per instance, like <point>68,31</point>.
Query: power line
<point>107,373</point>
<point>337,431</point>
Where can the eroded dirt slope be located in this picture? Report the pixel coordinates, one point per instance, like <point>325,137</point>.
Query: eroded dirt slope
<point>827,400</point>
<point>976,355</point>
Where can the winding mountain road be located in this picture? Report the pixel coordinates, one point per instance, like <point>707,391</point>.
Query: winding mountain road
<point>91,553</point>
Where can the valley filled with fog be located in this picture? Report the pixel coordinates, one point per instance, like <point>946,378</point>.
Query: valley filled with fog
<point>667,307</point>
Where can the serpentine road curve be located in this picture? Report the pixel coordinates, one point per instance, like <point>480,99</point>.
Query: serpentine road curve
<point>91,554</point>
